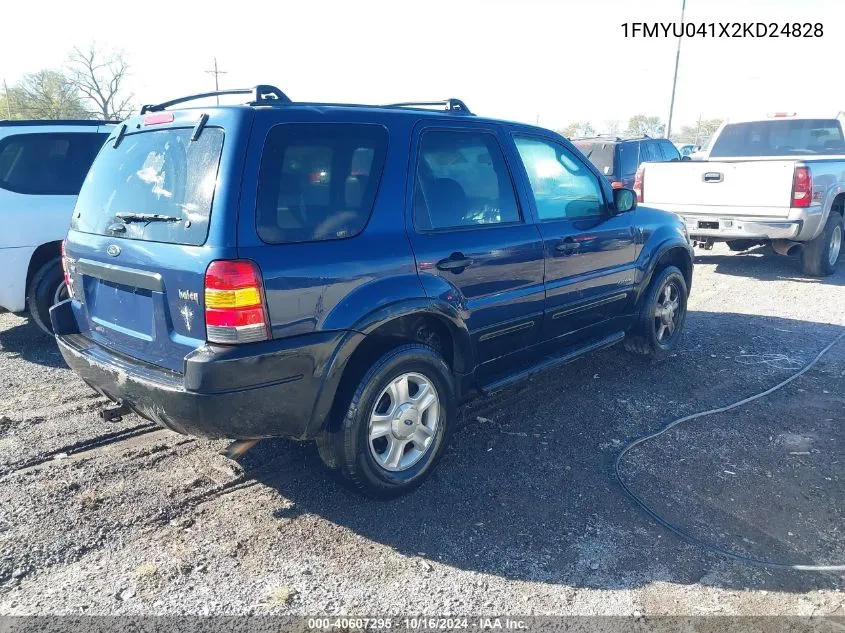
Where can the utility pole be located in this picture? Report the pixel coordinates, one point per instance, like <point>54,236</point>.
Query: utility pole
<point>8,101</point>
<point>698,130</point>
<point>675,80</point>
<point>216,74</point>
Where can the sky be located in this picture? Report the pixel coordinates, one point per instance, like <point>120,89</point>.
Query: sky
<point>530,60</point>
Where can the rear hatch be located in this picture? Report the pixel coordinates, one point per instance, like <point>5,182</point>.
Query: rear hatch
<point>154,211</point>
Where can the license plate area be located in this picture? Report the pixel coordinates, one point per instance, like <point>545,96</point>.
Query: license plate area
<point>120,308</point>
<point>708,224</point>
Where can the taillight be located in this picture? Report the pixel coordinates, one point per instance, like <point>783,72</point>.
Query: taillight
<point>639,180</point>
<point>802,187</point>
<point>66,269</point>
<point>234,303</point>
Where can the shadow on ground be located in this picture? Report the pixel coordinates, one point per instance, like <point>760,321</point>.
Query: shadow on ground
<point>28,341</point>
<point>526,491</point>
<point>764,264</point>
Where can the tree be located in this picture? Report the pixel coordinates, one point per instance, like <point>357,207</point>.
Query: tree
<point>578,128</point>
<point>699,133</point>
<point>640,124</point>
<point>46,94</point>
<point>98,75</point>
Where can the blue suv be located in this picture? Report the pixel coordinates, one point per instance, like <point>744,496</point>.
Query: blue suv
<point>350,273</point>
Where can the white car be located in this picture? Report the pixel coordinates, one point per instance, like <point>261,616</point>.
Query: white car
<point>42,167</point>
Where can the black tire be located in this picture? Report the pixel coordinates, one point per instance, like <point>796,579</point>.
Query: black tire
<point>42,291</point>
<point>346,447</point>
<point>741,245</point>
<point>643,338</point>
<point>815,255</point>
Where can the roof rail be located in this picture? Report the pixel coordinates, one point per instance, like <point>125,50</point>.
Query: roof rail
<point>455,106</point>
<point>261,94</point>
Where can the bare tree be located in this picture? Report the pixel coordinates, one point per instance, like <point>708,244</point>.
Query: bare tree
<point>613,127</point>
<point>46,94</point>
<point>98,75</point>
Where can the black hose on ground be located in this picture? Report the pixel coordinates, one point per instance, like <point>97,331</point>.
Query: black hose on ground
<point>689,536</point>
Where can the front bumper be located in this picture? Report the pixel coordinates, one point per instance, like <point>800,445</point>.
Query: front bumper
<point>735,228</point>
<point>249,391</point>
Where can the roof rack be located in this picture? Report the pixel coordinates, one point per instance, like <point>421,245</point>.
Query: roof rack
<point>451,105</point>
<point>262,94</point>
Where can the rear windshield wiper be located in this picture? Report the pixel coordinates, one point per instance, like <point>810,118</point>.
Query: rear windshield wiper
<point>128,216</point>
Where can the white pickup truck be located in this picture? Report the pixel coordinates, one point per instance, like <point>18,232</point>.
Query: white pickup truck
<point>779,180</point>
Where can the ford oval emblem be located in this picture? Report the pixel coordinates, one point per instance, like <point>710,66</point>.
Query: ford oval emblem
<point>113,250</point>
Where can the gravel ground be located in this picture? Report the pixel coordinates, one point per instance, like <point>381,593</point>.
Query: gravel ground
<point>522,516</point>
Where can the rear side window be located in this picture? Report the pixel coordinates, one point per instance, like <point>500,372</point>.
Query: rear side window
<point>629,158</point>
<point>462,181</point>
<point>49,163</point>
<point>650,152</point>
<point>318,182</point>
<point>154,186</point>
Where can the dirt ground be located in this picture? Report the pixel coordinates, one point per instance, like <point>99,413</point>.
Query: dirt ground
<point>522,516</point>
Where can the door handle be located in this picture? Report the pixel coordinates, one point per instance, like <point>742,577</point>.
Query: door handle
<point>456,263</point>
<point>568,246</point>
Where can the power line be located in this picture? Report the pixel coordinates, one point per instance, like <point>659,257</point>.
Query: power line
<point>216,72</point>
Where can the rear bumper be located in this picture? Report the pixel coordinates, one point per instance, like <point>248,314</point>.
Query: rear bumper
<point>721,227</point>
<point>246,392</point>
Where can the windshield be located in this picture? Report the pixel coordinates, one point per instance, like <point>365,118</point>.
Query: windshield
<point>780,137</point>
<point>600,154</point>
<point>161,173</point>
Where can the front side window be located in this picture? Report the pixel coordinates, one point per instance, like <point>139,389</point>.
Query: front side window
<point>47,163</point>
<point>563,187</point>
<point>318,181</point>
<point>462,181</point>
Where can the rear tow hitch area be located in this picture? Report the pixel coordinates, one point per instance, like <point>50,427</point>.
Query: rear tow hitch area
<point>114,412</point>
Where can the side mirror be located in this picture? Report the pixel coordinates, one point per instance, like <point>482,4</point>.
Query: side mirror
<point>685,158</point>
<point>624,200</point>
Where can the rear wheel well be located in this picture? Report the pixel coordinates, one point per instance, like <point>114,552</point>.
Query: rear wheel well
<point>41,256</point>
<point>838,205</point>
<point>425,329</point>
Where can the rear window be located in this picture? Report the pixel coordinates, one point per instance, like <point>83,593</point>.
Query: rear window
<point>318,181</point>
<point>599,154</point>
<point>47,163</point>
<point>160,173</point>
<point>780,137</point>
